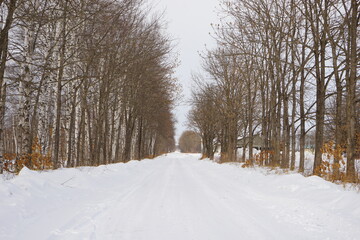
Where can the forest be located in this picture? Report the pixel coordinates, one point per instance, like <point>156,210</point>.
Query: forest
<point>83,83</point>
<point>285,70</point>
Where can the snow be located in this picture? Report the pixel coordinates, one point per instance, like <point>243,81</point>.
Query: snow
<point>309,157</point>
<point>175,197</point>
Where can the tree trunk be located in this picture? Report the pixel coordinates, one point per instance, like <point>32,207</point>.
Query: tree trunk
<point>2,116</point>
<point>320,41</point>
<point>71,140</point>
<point>129,131</point>
<point>4,41</point>
<point>351,96</point>
<point>61,66</point>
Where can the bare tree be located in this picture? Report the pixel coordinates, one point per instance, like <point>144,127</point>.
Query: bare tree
<point>7,8</point>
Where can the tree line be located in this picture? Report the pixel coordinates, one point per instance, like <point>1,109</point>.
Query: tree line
<point>83,82</point>
<point>281,69</point>
<point>190,142</point>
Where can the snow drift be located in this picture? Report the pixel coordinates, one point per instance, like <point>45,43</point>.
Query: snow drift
<point>175,197</point>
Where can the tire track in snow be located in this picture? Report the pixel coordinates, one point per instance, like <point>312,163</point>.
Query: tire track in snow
<point>179,197</point>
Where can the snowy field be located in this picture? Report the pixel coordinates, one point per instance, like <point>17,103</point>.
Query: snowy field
<point>175,197</point>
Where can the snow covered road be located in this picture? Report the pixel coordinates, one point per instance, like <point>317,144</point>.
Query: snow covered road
<point>175,197</point>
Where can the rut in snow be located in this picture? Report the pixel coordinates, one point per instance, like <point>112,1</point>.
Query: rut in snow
<point>175,197</point>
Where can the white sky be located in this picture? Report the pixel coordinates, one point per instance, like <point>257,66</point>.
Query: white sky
<point>189,24</point>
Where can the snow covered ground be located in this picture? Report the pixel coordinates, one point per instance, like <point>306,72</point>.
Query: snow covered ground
<point>175,197</point>
<point>309,160</point>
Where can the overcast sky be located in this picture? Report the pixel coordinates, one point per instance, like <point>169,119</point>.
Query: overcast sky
<point>189,24</point>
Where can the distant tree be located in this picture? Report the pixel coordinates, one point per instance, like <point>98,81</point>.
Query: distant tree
<point>204,117</point>
<point>190,142</point>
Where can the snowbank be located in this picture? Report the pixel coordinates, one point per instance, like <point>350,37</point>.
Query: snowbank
<point>175,197</point>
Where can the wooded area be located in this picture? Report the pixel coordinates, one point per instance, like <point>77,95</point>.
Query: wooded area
<point>282,68</point>
<point>190,142</point>
<point>83,82</point>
